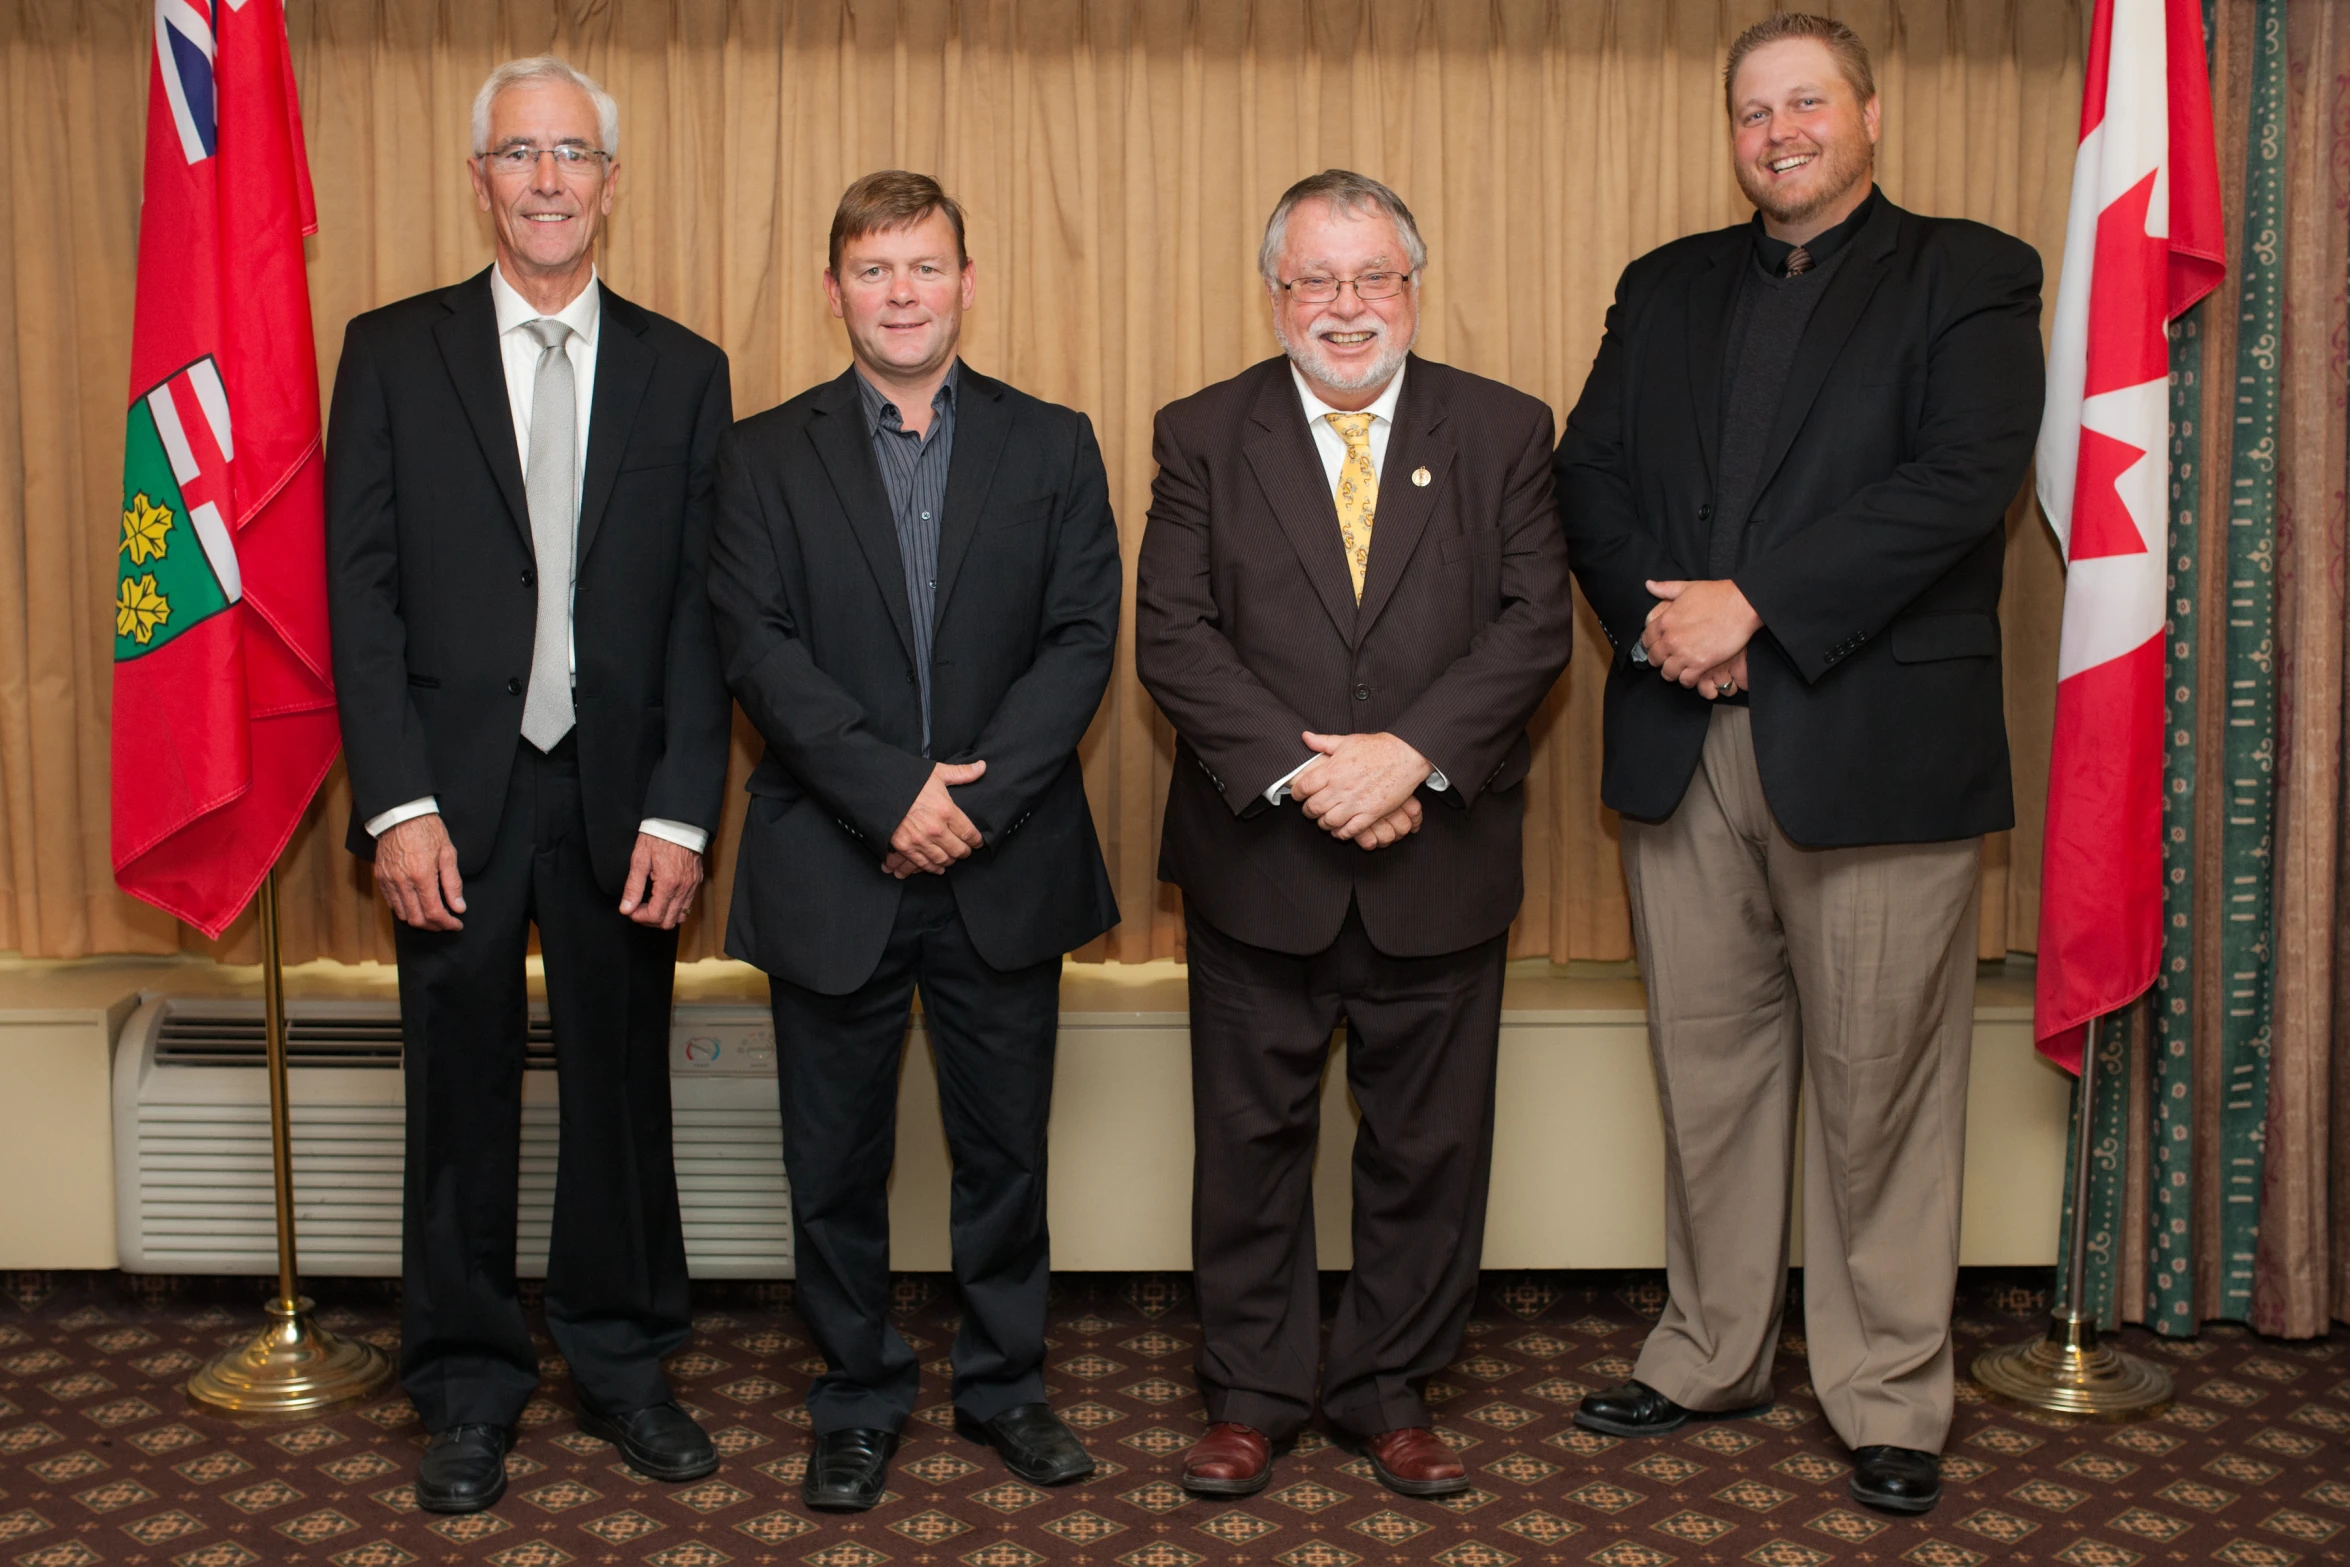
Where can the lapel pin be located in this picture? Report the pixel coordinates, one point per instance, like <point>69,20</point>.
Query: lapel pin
<point>1421,477</point>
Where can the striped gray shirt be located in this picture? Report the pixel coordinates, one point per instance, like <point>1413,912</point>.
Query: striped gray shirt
<point>914,472</point>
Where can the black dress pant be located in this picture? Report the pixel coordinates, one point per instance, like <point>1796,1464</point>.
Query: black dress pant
<point>616,1280</point>
<point>837,1058</point>
<point>1423,1035</point>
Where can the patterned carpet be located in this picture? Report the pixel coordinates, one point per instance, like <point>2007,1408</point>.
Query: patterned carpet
<point>101,1460</point>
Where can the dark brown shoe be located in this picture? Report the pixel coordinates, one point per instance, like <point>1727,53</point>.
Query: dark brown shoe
<point>1231,1460</point>
<point>1413,1461</point>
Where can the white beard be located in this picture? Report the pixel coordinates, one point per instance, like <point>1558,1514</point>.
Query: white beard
<point>1314,364</point>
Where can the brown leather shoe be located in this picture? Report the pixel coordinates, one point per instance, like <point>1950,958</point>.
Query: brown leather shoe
<point>1231,1460</point>
<point>1413,1461</point>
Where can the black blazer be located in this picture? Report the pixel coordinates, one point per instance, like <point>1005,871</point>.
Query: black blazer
<point>810,591</point>
<point>1246,632</point>
<point>434,597</point>
<point>1874,552</point>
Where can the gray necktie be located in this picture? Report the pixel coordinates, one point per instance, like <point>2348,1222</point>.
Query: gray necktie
<point>550,480</point>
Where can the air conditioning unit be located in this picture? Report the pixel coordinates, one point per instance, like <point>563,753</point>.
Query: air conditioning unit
<point>192,1180</point>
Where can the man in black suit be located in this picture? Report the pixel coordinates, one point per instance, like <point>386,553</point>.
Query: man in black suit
<point>1783,491</point>
<point>1351,597</point>
<point>916,578</point>
<point>518,518</point>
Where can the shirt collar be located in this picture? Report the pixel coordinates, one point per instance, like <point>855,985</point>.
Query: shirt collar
<point>1773,253</point>
<point>582,315</point>
<point>1382,406</point>
<point>877,402</point>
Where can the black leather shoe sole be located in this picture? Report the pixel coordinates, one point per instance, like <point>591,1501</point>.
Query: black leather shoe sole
<point>437,1501</point>
<point>1602,1424</point>
<point>1894,1502</point>
<point>643,1462</point>
<point>1035,1474</point>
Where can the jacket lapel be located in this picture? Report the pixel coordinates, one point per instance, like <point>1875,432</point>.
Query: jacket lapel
<point>982,424</point>
<point>845,448</point>
<point>1404,507</point>
<point>1710,296</point>
<point>1281,452</point>
<point>468,336</point>
<point>624,367</point>
<point>1839,311</point>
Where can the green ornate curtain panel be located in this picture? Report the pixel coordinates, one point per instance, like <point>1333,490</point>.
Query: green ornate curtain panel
<point>2220,1134</point>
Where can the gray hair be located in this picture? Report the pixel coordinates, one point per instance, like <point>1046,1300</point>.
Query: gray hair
<point>544,68</point>
<point>1348,193</point>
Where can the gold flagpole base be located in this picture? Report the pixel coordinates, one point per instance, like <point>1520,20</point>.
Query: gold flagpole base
<point>291,1367</point>
<point>2068,1372</point>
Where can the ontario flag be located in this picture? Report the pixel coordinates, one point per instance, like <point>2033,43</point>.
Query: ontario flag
<point>2142,242</point>
<point>224,719</point>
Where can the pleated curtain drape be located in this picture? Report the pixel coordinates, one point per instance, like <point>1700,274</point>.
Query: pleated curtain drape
<point>1117,157</point>
<point>2221,1127</point>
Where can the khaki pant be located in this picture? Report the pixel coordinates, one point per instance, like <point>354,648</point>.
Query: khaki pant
<point>1766,961</point>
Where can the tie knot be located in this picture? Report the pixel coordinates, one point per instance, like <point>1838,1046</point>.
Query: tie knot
<point>547,332</point>
<point>1354,429</point>
<point>1798,261</point>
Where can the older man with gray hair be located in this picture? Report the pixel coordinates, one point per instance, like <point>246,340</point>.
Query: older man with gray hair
<point>519,474</point>
<point>1351,597</point>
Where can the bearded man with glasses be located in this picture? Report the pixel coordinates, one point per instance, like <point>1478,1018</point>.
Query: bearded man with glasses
<point>519,476</point>
<point>1352,595</point>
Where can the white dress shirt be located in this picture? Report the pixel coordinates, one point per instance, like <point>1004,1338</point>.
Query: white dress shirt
<point>518,354</point>
<point>1331,447</point>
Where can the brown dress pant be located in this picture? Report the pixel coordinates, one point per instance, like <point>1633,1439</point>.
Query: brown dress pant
<point>1765,962</point>
<point>1423,1035</point>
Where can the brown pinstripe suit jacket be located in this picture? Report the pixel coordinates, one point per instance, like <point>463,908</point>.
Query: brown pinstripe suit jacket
<point>1247,634</point>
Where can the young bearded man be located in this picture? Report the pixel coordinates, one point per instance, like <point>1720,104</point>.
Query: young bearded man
<point>1783,490</point>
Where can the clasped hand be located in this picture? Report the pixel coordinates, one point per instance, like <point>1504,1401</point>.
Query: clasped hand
<point>1696,635</point>
<point>935,833</point>
<point>1362,787</point>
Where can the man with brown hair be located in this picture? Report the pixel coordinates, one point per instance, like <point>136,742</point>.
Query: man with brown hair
<point>916,578</point>
<point>1789,521</point>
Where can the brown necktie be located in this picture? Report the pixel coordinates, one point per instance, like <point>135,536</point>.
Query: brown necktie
<point>1798,261</point>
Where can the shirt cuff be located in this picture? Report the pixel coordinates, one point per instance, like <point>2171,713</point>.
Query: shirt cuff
<point>1437,780</point>
<point>679,833</point>
<point>1639,652</point>
<point>1280,789</point>
<point>377,826</point>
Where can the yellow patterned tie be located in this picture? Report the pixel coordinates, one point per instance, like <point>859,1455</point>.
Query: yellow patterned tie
<point>1358,493</point>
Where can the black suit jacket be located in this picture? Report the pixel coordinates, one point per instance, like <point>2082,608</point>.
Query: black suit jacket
<point>810,591</point>
<point>431,573</point>
<point>1874,551</point>
<point>1247,633</point>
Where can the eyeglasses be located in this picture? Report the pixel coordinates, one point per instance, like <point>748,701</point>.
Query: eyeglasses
<point>522,157</point>
<point>1368,287</point>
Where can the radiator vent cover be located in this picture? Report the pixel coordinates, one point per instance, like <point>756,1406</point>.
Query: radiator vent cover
<point>192,1157</point>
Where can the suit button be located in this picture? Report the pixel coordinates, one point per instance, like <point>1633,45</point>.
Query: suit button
<point>1705,513</point>
<point>1362,693</point>
<point>530,579</point>
<point>514,688</point>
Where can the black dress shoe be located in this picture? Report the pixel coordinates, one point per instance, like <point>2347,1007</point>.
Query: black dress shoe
<point>848,1469</point>
<point>1036,1445</point>
<point>464,1469</point>
<point>1896,1479</point>
<point>1636,1409</point>
<point>661,1441</point>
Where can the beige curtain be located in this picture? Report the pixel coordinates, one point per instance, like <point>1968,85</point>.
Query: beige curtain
<point>1117,158</point>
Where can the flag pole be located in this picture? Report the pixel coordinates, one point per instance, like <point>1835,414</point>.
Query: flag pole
<point>2067,1371</point>
<point>292,1366</point>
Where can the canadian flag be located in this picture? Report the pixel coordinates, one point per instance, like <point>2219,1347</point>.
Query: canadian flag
<point>2142,242</point>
